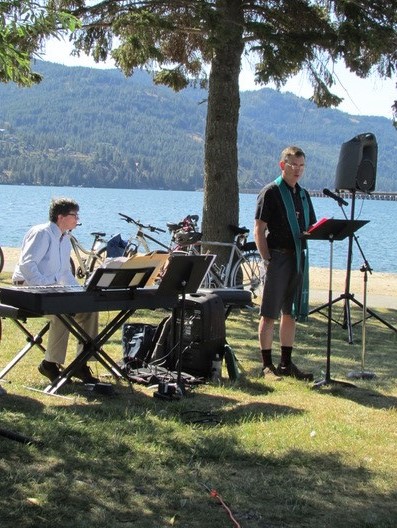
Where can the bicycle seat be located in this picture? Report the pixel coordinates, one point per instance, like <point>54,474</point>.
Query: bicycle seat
<point>98,234</point>
<point>238,230</point>
<point>249,246</point>
<point>174,227</point>
<point>186,238</point>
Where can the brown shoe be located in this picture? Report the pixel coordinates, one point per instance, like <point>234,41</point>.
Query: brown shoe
<point>293,371</point>
<point>270,373</point>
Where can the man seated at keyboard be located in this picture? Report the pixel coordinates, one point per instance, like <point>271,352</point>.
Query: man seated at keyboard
<point>44,261</point>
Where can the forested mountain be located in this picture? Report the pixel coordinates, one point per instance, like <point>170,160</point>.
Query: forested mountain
<point>90,127</point>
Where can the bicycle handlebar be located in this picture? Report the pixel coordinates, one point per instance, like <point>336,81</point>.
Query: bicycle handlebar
<point>151,228</point>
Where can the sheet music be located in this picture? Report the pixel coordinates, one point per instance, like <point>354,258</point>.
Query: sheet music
<point>154,261</point>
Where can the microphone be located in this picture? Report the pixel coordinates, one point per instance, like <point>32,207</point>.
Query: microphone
<point>337,198</point>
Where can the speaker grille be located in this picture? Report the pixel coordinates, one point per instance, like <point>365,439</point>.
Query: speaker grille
<point>356,169</point>
<point>365,180</point>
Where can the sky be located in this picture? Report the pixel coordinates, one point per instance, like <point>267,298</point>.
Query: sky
<point>372,96</point>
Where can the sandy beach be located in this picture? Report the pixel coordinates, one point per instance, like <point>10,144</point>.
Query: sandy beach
<point>381,287</point>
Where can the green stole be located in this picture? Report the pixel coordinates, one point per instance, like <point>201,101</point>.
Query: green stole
<point>300,307</point>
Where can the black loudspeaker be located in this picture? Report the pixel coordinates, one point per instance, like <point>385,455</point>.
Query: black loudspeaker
<point>356,169</point>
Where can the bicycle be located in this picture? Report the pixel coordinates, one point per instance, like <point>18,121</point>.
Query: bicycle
<point>1,260</point>
<point>88,259</point>
<point>243,269</point>
<point>140,239</point>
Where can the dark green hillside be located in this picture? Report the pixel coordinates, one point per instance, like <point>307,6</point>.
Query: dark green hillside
<point>91,127</point>
<point>270,120</point>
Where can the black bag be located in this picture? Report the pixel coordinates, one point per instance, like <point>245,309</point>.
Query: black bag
<point>115,246</point>
<point>138,343</point>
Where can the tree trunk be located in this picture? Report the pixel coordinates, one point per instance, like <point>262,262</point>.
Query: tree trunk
<point>221,193</point>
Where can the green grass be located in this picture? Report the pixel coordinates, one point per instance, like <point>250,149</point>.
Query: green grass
<point>279,454</point>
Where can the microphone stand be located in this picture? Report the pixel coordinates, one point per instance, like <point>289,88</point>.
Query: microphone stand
<point>347,296</point>
<point>365,268</point>
<point>363,374</point>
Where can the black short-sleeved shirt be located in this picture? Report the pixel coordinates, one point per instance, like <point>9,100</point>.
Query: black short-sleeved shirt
<point>270,208</point>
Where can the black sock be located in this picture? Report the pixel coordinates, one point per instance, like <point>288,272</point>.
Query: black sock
<point>286,352</point>
<point>267,357</point>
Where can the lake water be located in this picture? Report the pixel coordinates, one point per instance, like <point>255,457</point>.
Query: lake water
<point>24,206</point>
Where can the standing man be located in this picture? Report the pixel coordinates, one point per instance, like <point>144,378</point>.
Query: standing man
<point>284,211</point>
<point>45,260</point>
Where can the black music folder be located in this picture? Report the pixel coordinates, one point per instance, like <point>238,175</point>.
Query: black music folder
<point>185,273</point>
<point>334,229</point>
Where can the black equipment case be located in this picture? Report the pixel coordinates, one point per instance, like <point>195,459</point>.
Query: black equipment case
<point>203,337</point>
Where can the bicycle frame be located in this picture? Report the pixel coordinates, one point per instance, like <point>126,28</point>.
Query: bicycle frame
<point>243,268</point>
<point>95,254</point>
<point>220,275</point>
<point>140,238</point>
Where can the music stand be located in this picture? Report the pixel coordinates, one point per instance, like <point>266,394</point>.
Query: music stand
<point>332,230</point>
<point>184,274</point>
<point>115,279</point>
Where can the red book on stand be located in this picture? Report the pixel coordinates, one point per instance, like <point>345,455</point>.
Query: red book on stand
<point>317,224</point>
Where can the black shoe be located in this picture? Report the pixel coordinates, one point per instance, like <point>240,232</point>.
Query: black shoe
<point>49,370</point>
<point>293,371</point>
<point>84,374</point>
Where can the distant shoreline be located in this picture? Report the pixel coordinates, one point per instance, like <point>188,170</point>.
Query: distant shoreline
<point>388,196</point>
<point>381,195</point>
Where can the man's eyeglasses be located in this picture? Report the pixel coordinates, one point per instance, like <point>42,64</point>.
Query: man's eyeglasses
<point>73,214</point>
<point>295,166</point>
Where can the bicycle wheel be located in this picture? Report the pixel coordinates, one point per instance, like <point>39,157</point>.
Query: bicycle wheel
<point>72,266</point>
<point>247,275</point>
<point>1,260</point>
<point>98,260</point>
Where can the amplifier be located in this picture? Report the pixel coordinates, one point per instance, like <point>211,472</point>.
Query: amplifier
<point>203,335</point>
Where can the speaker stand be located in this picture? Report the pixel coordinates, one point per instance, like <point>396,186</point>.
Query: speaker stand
<point>347,297</point>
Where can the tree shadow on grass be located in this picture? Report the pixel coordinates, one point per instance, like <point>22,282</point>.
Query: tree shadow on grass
<point>10,405</point>
<point>362,396</point>
<point>250,386</point>
<point>146,469</point>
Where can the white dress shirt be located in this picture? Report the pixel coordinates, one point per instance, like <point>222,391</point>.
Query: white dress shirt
<point>45,257</point>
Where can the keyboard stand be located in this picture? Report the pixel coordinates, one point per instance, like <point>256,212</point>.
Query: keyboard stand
<point>19,318</point>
